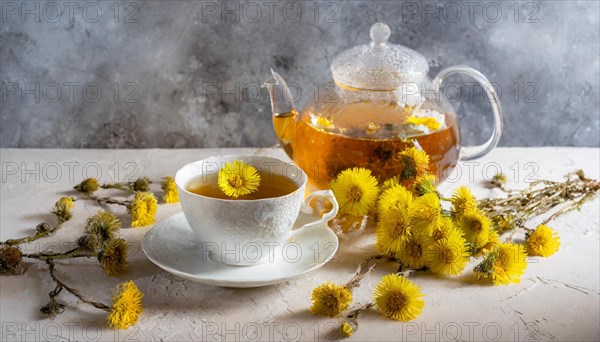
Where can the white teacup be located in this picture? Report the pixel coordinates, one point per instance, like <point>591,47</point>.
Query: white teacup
<point>245,232</point>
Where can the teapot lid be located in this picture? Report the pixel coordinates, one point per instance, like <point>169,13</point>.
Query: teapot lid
<point>379,65</point>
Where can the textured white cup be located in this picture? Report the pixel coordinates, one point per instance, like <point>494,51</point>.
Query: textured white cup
<point>245,232</point>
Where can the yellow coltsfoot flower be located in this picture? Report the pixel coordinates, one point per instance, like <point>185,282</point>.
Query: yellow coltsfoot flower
<point>143,209</point>
<point>62,209</point>
<point>412,252</point>
<point>448,256</point>
<point>476,227</point>
<point>393,231</point>
<point>140,184</point>
<point>444,229</point>
<point>543,241</point>
<point>113,258</point>
<point>395,197</point>
<point>493,240</point>
<point>428,122</point>
<point>425,184</point>
<point>462,201</point>
<point>388,184</point>
<point>103,225</point>
<point>425,213</point>
<point>88,186</point>
<point>170,188</point>
<point>238,179</point>
<point>415,162</point>
<point>356,191</point>
<point>505,264</point>
<point>347,329</point>
<point>126,307</point>
<point>330,299</point>
<point>398,298</point>
<point>322,122</point>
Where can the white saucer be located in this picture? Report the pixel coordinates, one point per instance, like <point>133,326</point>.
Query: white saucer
<point>172,246</point>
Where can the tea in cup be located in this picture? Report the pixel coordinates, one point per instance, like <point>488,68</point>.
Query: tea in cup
<point>245,230</point>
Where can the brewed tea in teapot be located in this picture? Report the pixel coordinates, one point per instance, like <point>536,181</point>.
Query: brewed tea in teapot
<point>379,103</point>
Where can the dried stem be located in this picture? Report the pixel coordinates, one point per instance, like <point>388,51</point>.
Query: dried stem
<point>108,200</point>
<point>73,291</point>
<point>354,313</point>
<point>120,186</point>
<point>40,233</point>
<point>77,252</point>
<point>540,197</point>
<point>361,272</point>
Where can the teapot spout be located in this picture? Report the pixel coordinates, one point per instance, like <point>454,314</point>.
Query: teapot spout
<point>284,112</point>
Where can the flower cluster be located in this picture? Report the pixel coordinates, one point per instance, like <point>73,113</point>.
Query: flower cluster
<point>412,230</point>
<point>415,229</point>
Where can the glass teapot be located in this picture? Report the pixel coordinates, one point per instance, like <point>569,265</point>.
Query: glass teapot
<point>379,103</point>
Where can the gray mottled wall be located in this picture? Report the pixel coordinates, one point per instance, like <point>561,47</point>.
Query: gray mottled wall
<point>162,66</point>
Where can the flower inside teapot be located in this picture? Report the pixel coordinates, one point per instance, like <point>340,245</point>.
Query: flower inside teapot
<point>380,103</point>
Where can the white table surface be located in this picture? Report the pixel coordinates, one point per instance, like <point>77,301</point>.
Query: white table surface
<point>557,299</point>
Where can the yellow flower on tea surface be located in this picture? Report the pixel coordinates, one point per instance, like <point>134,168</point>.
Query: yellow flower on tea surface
<point>428,122</point>
<point>355,190</point>
<point>393,231</point>
<point>143,209</point>
<point>88,186</point>
<point>113,258</point>
<point>347,329</point>
<point>170,188</point>
<point>505,264</point>
<point>396,197</point>
<point>398,298</point>
<point>126,307</point>
<point>412,253</point>
<point>238,179</point>
<point>329,299</point>
<point>62,209</point>
<point>462,201</point>
<point>448,256</point>
<point>103,225</point>
<point>415,162</point>
<point>476,227</point>
<point>543,241</point>
<point>426,212</point>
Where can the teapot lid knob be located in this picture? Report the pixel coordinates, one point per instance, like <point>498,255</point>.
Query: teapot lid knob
<point>380,65</point>
<point>380,33</point>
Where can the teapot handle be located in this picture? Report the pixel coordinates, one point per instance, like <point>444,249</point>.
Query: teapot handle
<point>473,152</point>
